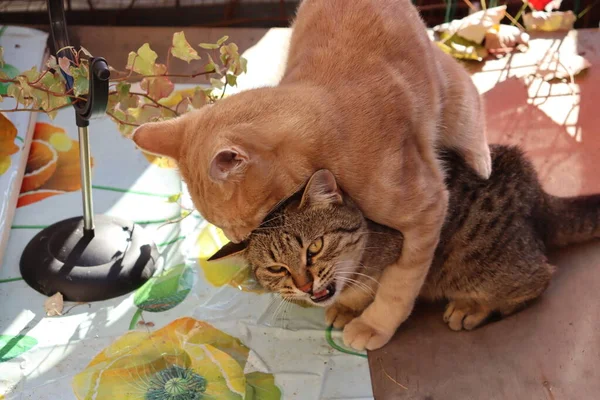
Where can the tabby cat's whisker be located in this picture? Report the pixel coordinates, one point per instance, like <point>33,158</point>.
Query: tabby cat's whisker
<point>361,274</point>
<point>357,284</point>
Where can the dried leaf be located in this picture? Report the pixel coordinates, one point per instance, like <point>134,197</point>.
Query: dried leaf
<point>199,98</point>
<point>52,63</point>
<point>157,88</point>
<point>549,21</point>
<point>85,51</point>
<point>183,106</point>
<point>505,39</point>
<point>143,61</point>
<point>1,56</point>
<point>474,27</point>
<point>182,49</point>
<point>65,65</point>
<point>54,305</point>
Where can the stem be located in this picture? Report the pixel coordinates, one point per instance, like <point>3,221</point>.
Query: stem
<point>119,120</point>
<point>523,7</point>
<point>131,73</point>
<point>135,319</point>
<point>154,101</point>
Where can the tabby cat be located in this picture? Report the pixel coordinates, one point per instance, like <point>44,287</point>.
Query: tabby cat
<point>319,248</point>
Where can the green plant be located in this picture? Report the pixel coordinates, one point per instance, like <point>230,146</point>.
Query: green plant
<point>130,104</point>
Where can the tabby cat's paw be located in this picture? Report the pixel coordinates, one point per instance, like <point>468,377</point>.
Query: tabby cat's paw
<point>461,316</point>
<point>339,315</point>
<point>360,335</point>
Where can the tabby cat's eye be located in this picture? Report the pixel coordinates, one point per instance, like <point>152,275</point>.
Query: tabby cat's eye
<point>315,248</point>
<point>276,269</point>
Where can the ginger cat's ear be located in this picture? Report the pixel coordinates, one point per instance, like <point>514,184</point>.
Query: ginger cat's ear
<point>229,250</point>
<point>162,138</point>
<point>321,190</point>
<point>228,163</point>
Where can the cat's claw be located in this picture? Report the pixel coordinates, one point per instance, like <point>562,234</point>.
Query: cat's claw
<point>361,335</point>
<point>339,316</point>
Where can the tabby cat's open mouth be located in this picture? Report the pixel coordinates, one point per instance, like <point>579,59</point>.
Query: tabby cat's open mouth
<point>324,294</point>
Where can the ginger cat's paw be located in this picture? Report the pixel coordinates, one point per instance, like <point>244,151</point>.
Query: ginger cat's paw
<point>339,315</point>
<point>461,316</point>
<point>360,335</point>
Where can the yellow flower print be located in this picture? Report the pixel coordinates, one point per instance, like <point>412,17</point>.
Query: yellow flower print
<point>186,360</point>
<point>231,272</point>
<point>8,133</point>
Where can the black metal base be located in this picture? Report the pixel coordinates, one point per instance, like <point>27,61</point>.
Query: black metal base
<point>115,258</point>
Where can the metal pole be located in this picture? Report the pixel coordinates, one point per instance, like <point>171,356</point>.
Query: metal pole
<point>86,178</point>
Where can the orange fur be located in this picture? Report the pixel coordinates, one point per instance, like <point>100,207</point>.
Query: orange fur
<point>366,95</point>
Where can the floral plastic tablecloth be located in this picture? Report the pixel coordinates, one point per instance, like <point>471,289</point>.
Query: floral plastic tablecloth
<point>194,331</point>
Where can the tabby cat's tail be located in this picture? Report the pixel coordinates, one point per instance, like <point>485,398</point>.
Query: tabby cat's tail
<point>570,220</point>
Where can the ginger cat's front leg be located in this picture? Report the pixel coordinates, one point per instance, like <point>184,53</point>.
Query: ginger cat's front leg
<point>401,281</point>
<point>350,304</point>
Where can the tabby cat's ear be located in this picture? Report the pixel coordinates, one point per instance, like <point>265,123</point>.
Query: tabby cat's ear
<point>321,190</point>
<point>230,250</point>
<point>162,138</point>
<point>229,162</point>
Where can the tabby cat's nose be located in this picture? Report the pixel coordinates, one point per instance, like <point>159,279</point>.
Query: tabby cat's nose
<point>306,288</point>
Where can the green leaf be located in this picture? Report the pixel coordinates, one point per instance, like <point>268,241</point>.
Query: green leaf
<point>231,79</point>
<point>209,46</point>
<point>13,346</point>
<point>142,61</point>
<point>216,83</point>
<point>124,98</point>
<point>212,66</point>
<point>243,64</point>
<point>461,48</point>
<point>174,198</point>
<point>81,83</point>
<point>166,290</point>
<point>182,49</point>
<point>222,40</point>
<point>7,72</point>
<point>261,386</point>
<point>55,83</point>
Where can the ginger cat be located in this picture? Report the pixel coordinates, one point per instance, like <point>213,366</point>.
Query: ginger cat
<point>366,95</point>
